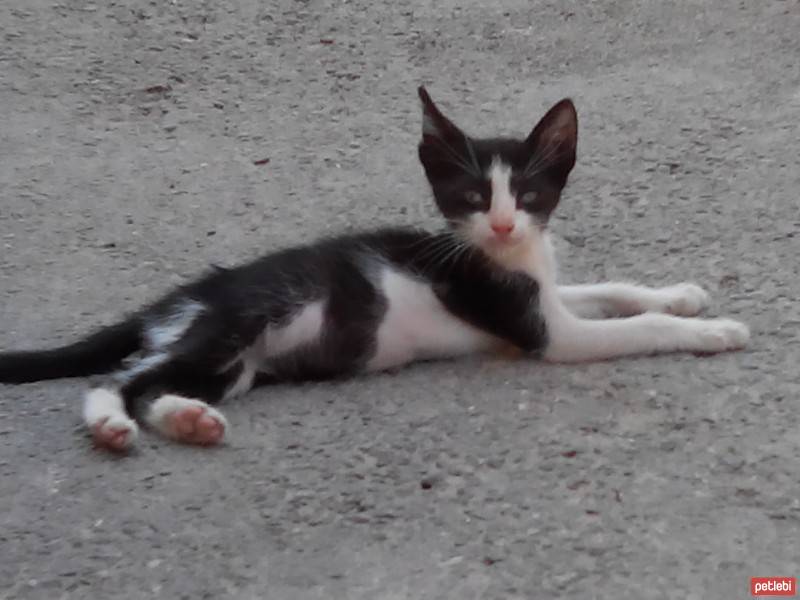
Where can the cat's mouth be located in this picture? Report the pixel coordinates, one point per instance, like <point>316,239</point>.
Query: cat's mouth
<point>502,242</point>
<point>492,243</point>
<point>507,253</point>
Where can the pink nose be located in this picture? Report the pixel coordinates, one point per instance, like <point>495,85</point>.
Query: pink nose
<point>502,228</point>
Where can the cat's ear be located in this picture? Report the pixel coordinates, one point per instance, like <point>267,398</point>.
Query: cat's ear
<point>434,123</point>
<point>442,142</point>
<point>553,142</point>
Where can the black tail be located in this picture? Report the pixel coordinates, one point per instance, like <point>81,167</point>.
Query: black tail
<point>101,352</point>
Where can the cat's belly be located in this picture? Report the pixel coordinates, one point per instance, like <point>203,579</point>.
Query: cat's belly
<point>403,322</point>
<point>417,326</point>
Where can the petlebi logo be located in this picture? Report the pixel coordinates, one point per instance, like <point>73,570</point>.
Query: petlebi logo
<point>773,586</point>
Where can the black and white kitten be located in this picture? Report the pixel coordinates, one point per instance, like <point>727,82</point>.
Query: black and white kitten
<point>379,300</point>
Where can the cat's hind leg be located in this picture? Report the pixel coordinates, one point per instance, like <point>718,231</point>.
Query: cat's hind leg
<point>180,409</point>
<point>175,398</point>
<point>189,359</point>
<point>612,299</point>
<point>187,420</point>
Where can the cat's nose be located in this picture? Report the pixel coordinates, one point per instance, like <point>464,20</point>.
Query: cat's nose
<point>502,228</point>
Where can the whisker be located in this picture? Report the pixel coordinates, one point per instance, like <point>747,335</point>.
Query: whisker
<point>441,259</point>
<point>425,239</point>
<point>463,249</point>
<point>449,255</point>
<point>456,158</point>
<point>542,159</point>
<point>437,247</point>
<point>472,155</point>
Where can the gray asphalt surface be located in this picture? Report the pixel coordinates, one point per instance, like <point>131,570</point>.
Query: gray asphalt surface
<point>128,135</point>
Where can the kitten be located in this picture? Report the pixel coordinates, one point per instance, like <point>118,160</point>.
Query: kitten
<point>378,300</point>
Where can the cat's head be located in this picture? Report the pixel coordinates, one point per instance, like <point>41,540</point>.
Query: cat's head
<point>497,193</point>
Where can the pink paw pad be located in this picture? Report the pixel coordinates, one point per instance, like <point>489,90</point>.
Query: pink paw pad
<point>195,425</point>
<point>114,436</point>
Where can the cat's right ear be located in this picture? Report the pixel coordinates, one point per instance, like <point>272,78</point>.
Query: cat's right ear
<point>444,148</point>
<point>435,126</point>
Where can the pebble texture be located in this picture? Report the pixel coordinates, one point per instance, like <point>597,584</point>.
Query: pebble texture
<point>140,141</point>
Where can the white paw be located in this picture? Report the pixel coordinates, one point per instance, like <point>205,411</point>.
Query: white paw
<point>684,299</point>
<point>187,420</point>
<point>720,335</point>
<point>105,416</point>
<point>115,432</point>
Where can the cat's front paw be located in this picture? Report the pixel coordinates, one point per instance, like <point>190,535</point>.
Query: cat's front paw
<point>721,335</point>
<point>684,299</point>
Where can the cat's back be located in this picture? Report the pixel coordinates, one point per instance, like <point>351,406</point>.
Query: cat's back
<point>348,265</point>
<point>332,257</point>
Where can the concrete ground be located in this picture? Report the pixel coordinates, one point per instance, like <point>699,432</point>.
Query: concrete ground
<point>129,133</point>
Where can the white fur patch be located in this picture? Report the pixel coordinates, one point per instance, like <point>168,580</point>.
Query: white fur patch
<point>164,407</point>
<point>418,326</point>
<point>304,328</point>
<point>169,329</point>
<point>580,340</point>
<point>106,407</point>
<point>504,205</point>
<point>244,382</point>
<point>614,299</point>
<point>142,365</point>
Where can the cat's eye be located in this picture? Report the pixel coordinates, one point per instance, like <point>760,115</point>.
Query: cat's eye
<point>528,199</point>
<point>474,198</point>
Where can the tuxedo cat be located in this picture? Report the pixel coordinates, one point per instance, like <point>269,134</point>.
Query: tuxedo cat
<point>378,300</point>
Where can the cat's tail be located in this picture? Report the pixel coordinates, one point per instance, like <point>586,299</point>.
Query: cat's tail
<point>100,352</point>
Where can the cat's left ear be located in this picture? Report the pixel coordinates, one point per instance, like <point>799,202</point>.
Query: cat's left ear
<point>553,142</point>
